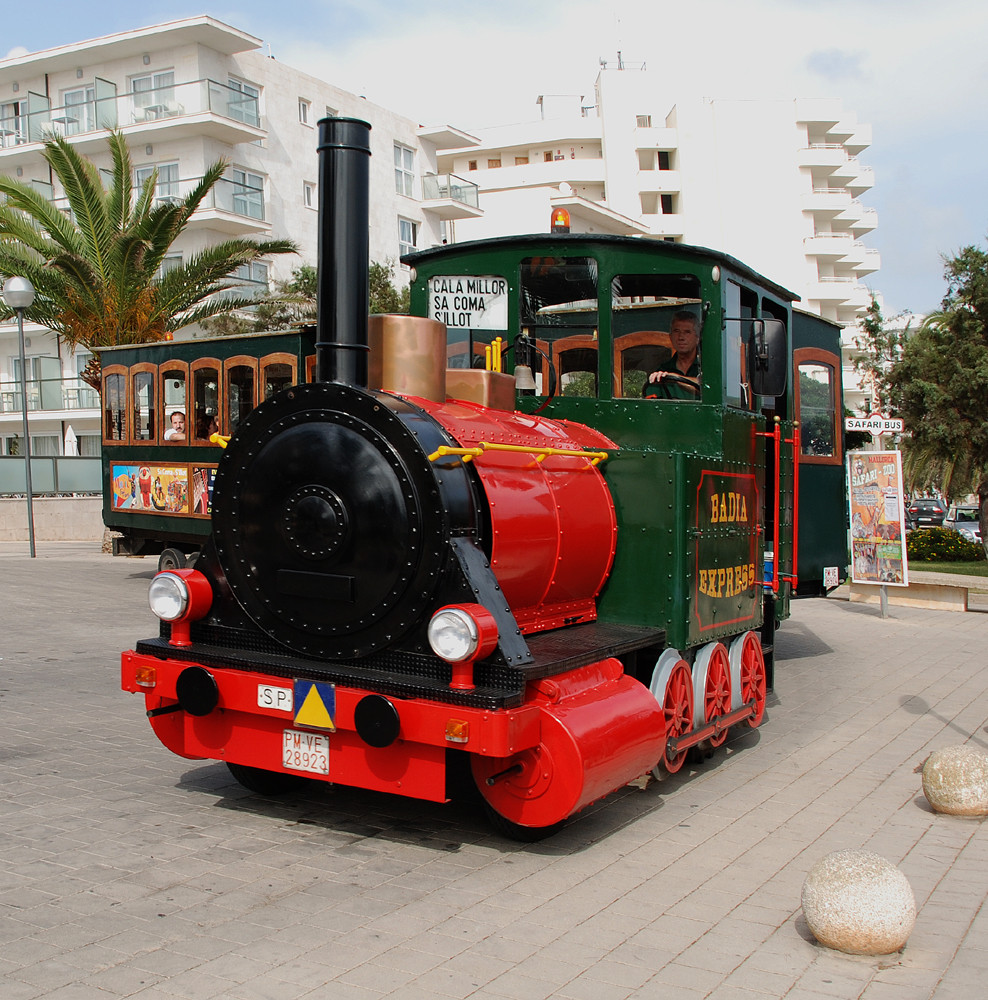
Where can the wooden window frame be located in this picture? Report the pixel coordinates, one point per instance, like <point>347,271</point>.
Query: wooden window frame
<point>237,361</point>
<point>196,366</point>
<point>164,368</point>
<point>816,355</point>
<point>637,338</point>
<point>106,373</point>
<point>142,368</point>
<point>278,358</point>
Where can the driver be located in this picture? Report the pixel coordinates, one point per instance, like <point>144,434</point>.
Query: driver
<point>683,366</point>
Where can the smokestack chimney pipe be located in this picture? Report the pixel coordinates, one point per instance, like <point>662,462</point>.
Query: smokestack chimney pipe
<point>344,251</point>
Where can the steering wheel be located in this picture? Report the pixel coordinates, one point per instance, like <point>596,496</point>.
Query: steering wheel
<point>668,377</point>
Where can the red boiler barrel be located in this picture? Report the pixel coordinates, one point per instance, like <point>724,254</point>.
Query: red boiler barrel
<point>552,516</point>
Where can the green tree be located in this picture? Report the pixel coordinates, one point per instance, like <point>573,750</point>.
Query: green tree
<point>881,345</point>
<point>97,268</point>
<point>940,385</point>
<point>293,302</point>
<point>384,296</point>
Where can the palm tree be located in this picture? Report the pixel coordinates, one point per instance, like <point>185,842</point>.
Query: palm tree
<point>98,268</point>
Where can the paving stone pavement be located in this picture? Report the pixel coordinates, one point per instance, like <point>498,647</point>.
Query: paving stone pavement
<point>128,872</point>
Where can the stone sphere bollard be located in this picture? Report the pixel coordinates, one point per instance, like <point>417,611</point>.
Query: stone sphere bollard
<point>859,903</point>
<point>955,781</point>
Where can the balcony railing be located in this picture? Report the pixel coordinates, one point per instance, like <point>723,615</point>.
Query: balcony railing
<point>48,394</point>
<point>51,474</point>
<point>107,109</point>
<point>437,187</point>
<point>226,195</point>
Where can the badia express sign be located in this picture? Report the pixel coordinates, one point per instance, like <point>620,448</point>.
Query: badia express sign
<point>728,581</point>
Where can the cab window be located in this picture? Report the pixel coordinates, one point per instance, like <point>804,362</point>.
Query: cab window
<point>115,405</point>
<point>818,395</point>
<point>558,306</point>
<point>645,311</point>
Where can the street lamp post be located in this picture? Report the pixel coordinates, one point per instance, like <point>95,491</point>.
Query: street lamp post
<point>18,293</point>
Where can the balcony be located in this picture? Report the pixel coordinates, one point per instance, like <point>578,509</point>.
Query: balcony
<point>659,181</point>
<point>230,207</point>
<point>48,395</point>
<point>451,197</point>
<point>178,111</point>
<point>822,155</point>
<point>858,219</point>
<point>828,245</point>
<point>827,201</point>
<point>656,138</point>
<point>863,180</point>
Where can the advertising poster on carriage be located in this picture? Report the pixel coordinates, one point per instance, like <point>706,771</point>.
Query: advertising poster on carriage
<point>878,532</point>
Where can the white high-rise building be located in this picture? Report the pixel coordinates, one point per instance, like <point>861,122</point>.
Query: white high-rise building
<point>186,94</point>
<point>775,183</point>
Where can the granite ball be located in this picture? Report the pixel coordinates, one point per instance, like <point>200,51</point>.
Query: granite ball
<point>955,781</point>
<point>858,903</point>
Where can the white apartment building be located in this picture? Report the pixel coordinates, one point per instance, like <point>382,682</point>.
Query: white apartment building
<point>775,183</point>
<point>186,94</point>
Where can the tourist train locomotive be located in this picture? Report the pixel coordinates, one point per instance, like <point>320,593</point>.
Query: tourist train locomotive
<point>418,558</point>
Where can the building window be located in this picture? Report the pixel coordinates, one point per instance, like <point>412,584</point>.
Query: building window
<point>668,204</point>
<point>494,164</point>
<point>471,165</point>
<point>547,156</point>
<point>407,232</point>
<point>170,263</point>
<point>303,111</point>
<point>154,96</point>
<point>309,194</point>
<point>404,170</point>
<point>665,160</point>
<point>79,112</point>
<point>521,161</point>
<point>332,112</point>
<point>643,121</point>
<point>166,191</point>
<point>248,194</point>
<point>243,102</point>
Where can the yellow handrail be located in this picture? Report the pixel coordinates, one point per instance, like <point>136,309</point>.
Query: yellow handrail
<point>468,454</point>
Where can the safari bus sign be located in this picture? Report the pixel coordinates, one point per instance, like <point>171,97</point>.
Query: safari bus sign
<point>875,424</point>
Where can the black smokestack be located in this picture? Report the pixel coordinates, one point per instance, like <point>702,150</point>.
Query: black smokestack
<point>344,248</point>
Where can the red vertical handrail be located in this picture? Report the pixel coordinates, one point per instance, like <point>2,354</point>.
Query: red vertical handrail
<point>794,440</point>
<point>776,435</point>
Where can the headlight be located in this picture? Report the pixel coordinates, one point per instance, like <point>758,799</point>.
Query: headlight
<point>453,635</point>
<point>168,596</point>
<point>968,533</point>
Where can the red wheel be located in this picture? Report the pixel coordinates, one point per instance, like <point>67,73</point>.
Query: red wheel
<point>749,675</point>
<point>712,686</point>
<point>672,686</point>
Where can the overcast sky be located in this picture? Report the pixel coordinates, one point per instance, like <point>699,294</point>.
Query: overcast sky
<point>917,72</point>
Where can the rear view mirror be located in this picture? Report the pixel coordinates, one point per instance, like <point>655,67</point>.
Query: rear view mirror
<point>768,357</point>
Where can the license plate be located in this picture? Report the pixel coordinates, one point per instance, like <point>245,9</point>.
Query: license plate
<point>269,696</point>
<point>305,751</point>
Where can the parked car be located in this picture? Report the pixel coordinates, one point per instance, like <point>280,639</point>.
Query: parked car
<point>963,517</point>
<point>925,512</point>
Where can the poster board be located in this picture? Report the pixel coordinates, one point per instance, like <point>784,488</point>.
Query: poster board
<point>877,517</point>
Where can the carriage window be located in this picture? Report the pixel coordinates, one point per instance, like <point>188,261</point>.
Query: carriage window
<point>558,302</point>
<point>144,406</point>
<point>205,387</point>
<point>816,410</point>
<point>276,378</point>
<point>175,407</point>
<point>240,394</point>
<point>645,309</point>
<point>115,408</point>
